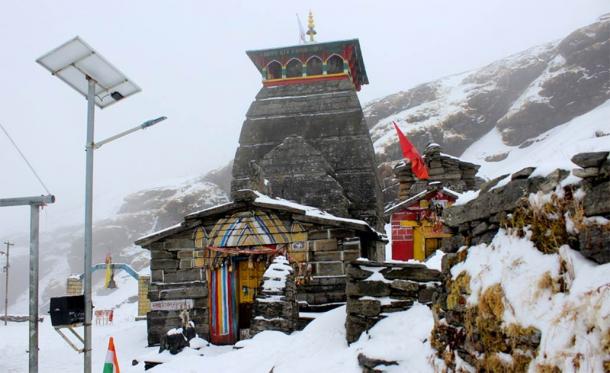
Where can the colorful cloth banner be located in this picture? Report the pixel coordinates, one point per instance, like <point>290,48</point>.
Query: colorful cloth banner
<point>223,306</point>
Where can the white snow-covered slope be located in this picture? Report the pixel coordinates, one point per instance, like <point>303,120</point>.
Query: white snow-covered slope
<point>520,96</point>
<point>553,149</point>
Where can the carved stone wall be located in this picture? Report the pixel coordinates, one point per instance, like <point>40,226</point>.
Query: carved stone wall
<point>312,145</point>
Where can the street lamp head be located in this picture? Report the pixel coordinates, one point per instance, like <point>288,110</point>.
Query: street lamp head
<point>152,122</point>
<point>117,96</point>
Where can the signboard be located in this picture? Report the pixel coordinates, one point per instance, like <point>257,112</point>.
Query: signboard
<point>172,305</point>
<point>298,245</point>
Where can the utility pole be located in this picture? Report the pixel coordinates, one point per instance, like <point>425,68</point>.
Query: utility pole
<point>35,203</point>
<point>8,248</point>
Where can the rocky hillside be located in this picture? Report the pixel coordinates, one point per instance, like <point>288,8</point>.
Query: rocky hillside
<point>141,212</point>
<point>521,96</point>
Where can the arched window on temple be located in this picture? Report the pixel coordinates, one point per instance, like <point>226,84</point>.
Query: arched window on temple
<point>334,64</point>
<point>314,66</point>
<point>274,70</point>
<point>294,68</point>
<point>201,238</point>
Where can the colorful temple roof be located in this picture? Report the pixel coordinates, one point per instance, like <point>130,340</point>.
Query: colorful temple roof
<point>314,61</point>
<point>249,228</point>
<point>245,222</point>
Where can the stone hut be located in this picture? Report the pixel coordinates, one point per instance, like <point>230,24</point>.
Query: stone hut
<point>213,265</point>
<point>451,172</point>
<point>305,138</point>
<point>417,228</point>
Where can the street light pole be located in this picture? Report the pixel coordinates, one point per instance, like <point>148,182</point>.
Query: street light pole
<point>72,62</point>
<point>89,148</point>
<point>34,263</point>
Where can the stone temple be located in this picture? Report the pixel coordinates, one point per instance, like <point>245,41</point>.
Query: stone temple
<point>305,138</point>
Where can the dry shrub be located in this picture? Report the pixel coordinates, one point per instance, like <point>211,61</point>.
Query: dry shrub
<point>545,368</point>
<point>547,223</point>
<point>606,342</point>
<point>492,363</point>
<point>521,362</point>
<point>491,304</point>
<point>526,339</point>
<point>458,290</point>
<point>547,282</point>
<point>483,322</point>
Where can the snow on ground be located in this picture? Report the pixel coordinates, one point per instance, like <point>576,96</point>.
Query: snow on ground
<point>56,356</point>
<point>553,149</point>
<point>321,347</point>
<point>466,197</point>
<point>573,324</point>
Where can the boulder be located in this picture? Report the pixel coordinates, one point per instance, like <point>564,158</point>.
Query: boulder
<point>593,159</point>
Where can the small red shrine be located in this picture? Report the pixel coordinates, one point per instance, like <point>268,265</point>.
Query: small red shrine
<point>416,225</point>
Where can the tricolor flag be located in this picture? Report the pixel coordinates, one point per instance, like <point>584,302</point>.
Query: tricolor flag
<point>408,151</point>
<point>111,365</point>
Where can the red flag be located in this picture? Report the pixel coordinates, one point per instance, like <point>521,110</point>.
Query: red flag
<point>408,151</point>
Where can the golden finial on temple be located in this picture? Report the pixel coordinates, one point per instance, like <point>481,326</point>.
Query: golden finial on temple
<point>310,27</point>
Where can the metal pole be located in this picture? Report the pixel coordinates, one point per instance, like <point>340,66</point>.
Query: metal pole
<point>142,126</point>
<point>90,147</point>
<point>8,249</point>
<point>34,216</point>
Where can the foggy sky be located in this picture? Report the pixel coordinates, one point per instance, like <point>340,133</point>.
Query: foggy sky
<point>188,57</point>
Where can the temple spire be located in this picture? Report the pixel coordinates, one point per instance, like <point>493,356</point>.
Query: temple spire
<point>310,27</point>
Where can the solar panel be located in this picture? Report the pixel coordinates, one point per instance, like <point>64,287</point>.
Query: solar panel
<point>74,60</point>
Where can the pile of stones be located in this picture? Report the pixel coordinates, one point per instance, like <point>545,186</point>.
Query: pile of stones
<point>594,242</point>
<point>275,306</point>
<point>451,172</point>
<point>376,289</point>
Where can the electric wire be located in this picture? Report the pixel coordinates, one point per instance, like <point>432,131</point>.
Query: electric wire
<point>25,159</point>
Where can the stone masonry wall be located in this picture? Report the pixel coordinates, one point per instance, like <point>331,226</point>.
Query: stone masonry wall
<point>275,306</point>
<point>327,253</point>
<point>575,213</point>
<point>312,145</point>
<point>478,220</point>
<point>143,301</point>
<point>375,289</point>
<point>177,273</point>
<point>74,286</point>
